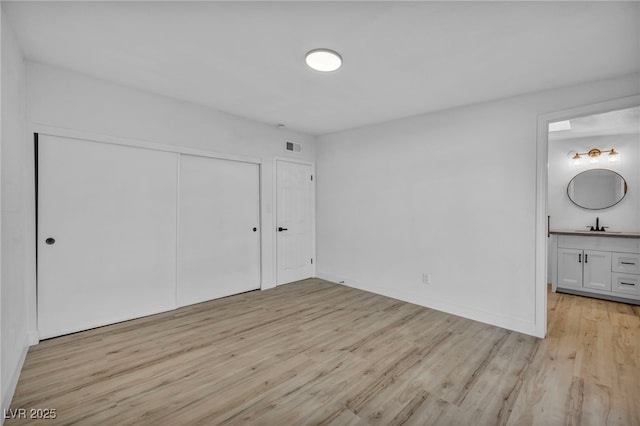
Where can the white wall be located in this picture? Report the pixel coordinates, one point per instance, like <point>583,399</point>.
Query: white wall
<point>451,194</point>
<point>65,99</point>
<point>13,229</point>
<point>625,215</point>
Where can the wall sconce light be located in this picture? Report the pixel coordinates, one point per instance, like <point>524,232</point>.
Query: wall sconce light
<point>594,156</point>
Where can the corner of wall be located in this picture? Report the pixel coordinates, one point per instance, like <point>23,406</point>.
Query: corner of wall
<point>397,182</point>
<point>13,305</point>
<point>1,138</point>
<point>10,387</point>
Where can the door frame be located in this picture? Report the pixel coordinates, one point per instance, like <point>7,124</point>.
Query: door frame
<point>274,225</point>
<point>542,182</point>
<point>135,143</point>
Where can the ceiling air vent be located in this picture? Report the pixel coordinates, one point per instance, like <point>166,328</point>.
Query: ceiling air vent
<point>292,146</point>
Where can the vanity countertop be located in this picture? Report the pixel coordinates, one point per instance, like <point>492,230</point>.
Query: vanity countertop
<point>595,234</point>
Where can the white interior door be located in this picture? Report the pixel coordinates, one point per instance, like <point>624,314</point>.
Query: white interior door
<point>219,238</point>
<point>294,217</point>
<point>112,212</point>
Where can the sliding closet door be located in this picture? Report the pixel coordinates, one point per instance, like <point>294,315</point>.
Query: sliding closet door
<point>218,235</point>
<point>106,233</point>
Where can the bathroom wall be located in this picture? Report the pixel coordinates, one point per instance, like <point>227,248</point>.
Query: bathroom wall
<point>564,213</point>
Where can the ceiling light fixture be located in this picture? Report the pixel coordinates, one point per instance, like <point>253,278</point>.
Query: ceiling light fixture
<point>594,156</point>
<point>324,60</point>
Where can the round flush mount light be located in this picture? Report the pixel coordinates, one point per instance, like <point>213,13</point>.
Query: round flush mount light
<point>325,60</point>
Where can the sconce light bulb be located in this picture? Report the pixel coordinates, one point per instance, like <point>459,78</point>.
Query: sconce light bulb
<point>577,160</point>
<point>594,155</point>
<point>614,156</point>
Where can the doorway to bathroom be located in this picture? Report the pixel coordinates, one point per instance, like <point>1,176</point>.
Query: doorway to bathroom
<point>588,240</point>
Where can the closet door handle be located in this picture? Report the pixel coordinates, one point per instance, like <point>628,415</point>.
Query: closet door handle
<point>586,257</point>
<point>579,257</point>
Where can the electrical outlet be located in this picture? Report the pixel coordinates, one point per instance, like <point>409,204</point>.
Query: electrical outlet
<point>426,278</point>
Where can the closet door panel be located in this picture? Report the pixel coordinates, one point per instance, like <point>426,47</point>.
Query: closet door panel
<point>218,232</point>
<point>106,233</point>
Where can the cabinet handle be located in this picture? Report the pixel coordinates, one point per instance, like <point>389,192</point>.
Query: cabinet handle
<point>628,263</point>
<point>586,256</point>
<point>623,283</point>
<point>579,257</point>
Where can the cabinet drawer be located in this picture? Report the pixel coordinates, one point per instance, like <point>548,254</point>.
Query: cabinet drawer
<point>625,263</point>
<point>625,283</point>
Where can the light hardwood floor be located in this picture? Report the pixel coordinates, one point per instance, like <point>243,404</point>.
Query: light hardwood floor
<point>314,352</point>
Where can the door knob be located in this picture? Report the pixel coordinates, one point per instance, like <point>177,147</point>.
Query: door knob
<point>255,229</point>
<point>50,241</point>
<point>280,229</point>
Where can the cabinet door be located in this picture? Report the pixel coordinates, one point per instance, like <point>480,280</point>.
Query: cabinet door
<point>597,269</point>
<point>569,268</point>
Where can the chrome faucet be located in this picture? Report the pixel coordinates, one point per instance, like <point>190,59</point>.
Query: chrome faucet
<point>598,228</point>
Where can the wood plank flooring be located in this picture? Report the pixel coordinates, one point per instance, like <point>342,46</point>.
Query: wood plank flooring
<point>319,353</point>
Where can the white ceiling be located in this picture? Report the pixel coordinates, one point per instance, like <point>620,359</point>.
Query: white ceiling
<point>400,58</point>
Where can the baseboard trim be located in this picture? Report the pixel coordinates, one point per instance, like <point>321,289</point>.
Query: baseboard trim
<point>13,381</point>
<point>33,337</point>
<point>611,297</point>
<point>331,278</point>
<point>513,324</point>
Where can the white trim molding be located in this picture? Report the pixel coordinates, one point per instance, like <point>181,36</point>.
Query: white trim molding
<point>116,140</point>
<point>542,160</point>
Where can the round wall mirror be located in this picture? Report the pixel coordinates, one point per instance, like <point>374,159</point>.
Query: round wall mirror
<point>597,189</point>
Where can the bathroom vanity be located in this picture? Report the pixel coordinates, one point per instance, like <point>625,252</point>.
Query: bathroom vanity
<point>598,264</point>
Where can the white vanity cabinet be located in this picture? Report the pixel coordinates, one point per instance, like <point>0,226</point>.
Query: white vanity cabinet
<point>599,266</point>
<point>626,274</point>
<point>584,269</point>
